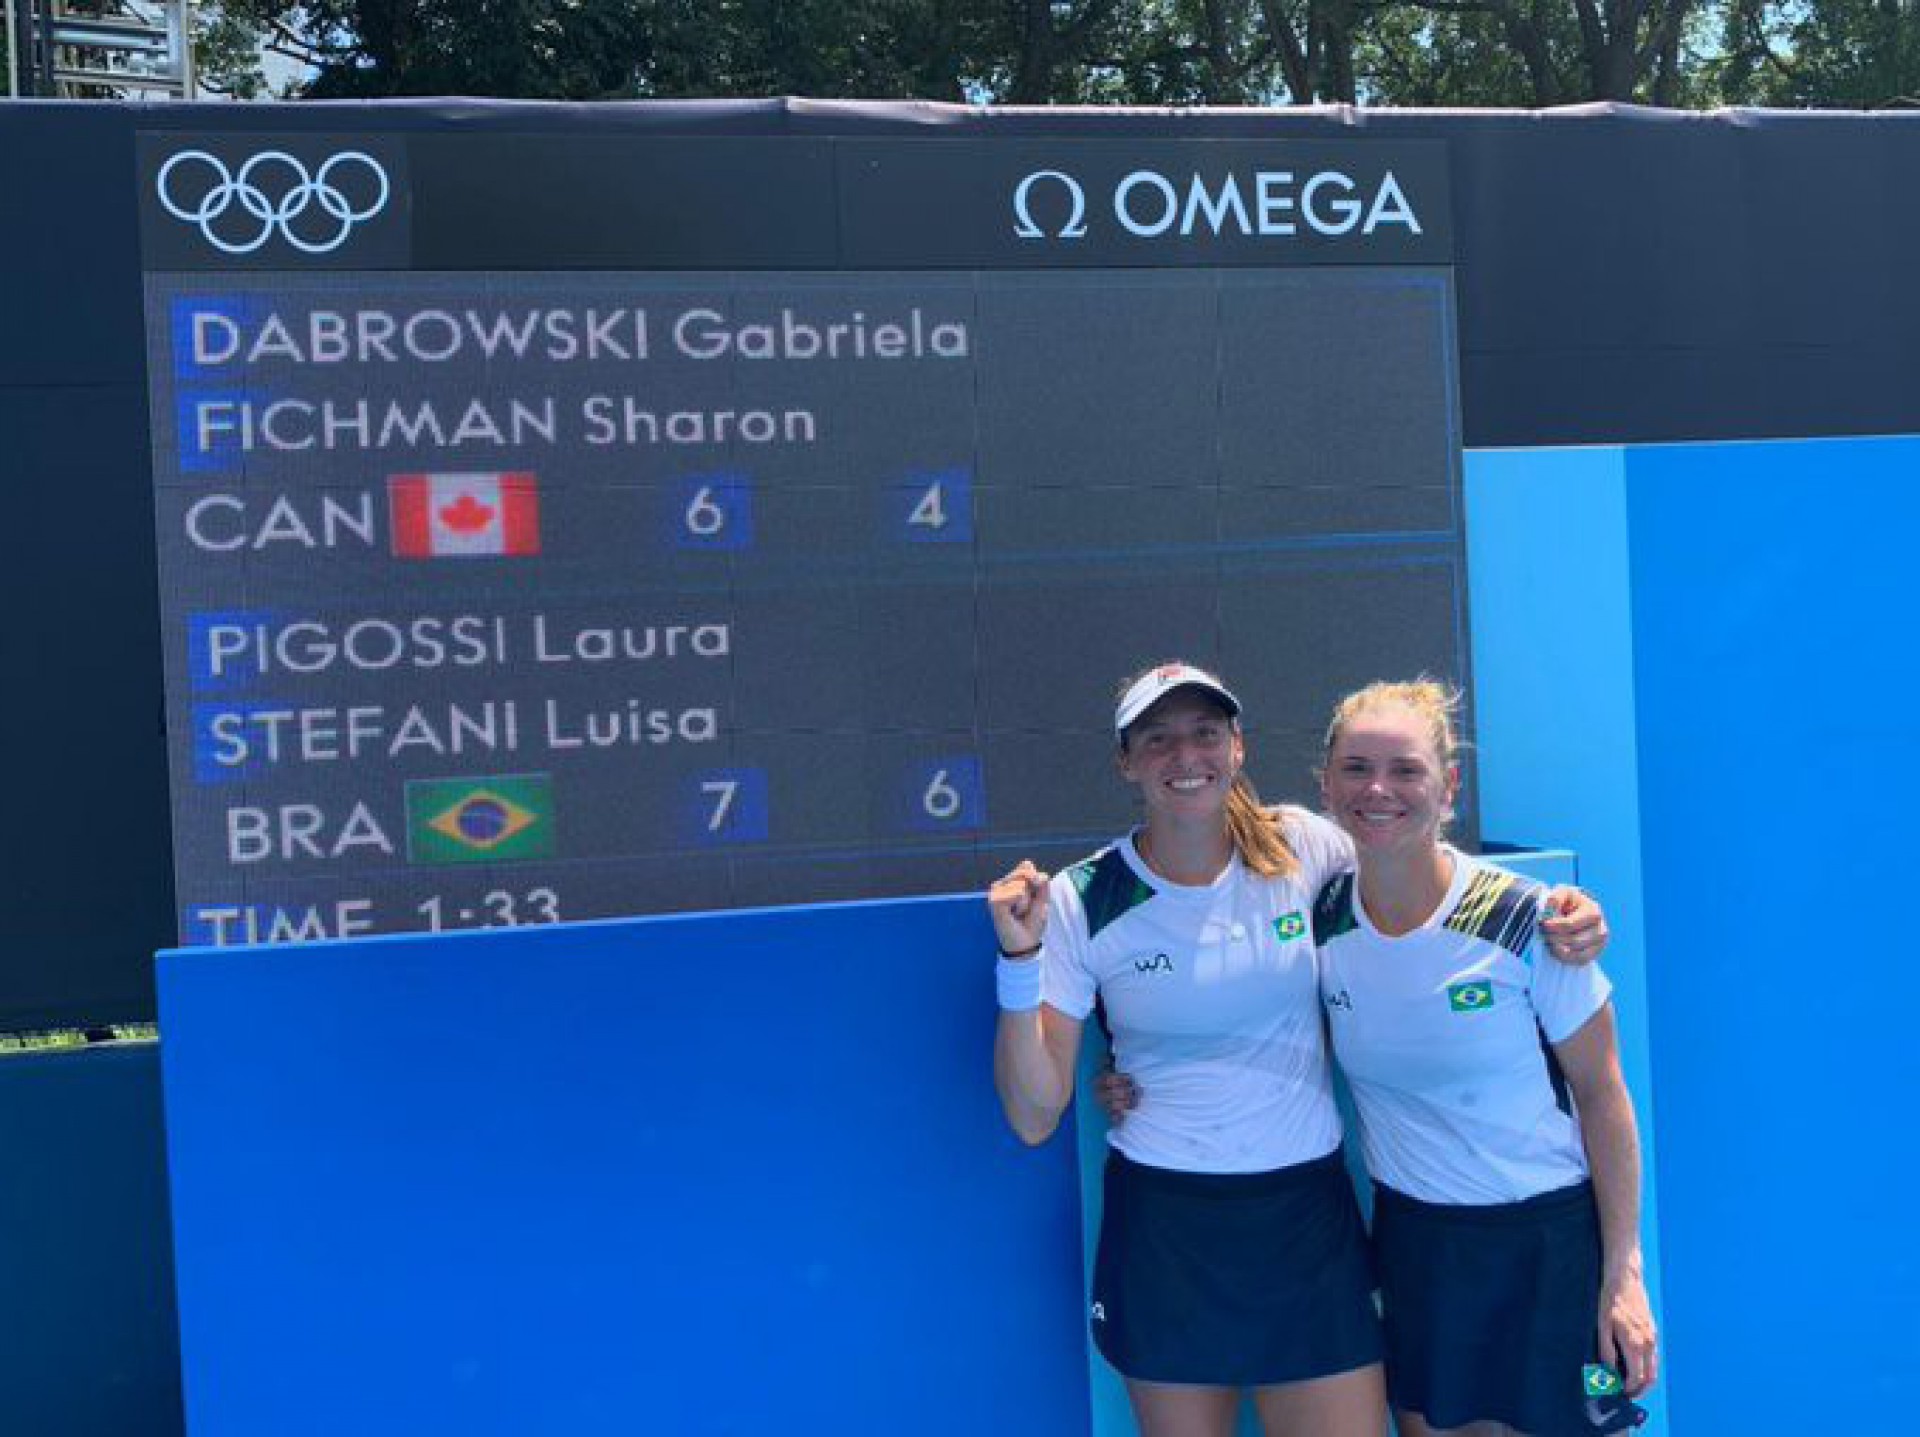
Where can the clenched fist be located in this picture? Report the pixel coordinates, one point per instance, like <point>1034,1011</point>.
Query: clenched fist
<point>1018,904</point>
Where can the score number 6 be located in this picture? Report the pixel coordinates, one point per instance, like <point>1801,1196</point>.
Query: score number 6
<point>711,511</point>
<point>944,795</point>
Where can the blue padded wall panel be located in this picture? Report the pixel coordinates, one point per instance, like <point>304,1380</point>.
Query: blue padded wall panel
<point>1553,647</point>
<point>88,1346</point>
<point>1730,697</point>
<point>731,1173</point>
<point>1779,718</point>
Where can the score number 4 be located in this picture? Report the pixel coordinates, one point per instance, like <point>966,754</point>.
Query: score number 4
<point>932,508</point>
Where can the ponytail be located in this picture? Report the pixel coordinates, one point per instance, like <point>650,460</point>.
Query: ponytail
<point>1256,833</point>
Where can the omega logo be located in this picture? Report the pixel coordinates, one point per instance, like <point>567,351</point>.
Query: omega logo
<point>1076,225</point>
<point>1258,204</point>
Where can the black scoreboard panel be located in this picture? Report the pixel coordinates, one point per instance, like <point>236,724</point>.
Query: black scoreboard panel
<point>509,595</point>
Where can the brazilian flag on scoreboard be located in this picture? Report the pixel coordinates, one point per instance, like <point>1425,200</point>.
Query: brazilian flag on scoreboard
<point>500,819</point>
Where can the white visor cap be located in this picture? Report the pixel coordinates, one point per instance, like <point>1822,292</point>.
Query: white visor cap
<point>1150,688</point>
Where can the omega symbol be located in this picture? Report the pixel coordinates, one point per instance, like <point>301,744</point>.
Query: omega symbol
<point>1024,225</point>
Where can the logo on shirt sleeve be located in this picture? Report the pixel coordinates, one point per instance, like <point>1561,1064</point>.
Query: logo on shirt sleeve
<point>1470,997</point>
<point>1289,926</point>
<point>1155,963</point>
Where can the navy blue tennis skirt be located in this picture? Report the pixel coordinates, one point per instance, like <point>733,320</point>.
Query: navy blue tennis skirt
<point>1491,1313</point>
<point>1233,1279</point>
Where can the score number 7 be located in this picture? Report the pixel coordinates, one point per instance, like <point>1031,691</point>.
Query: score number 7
<point>721,790</point>
<point>724,805</point>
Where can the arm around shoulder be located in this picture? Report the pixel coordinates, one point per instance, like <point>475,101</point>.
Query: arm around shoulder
<point>1322,847</point>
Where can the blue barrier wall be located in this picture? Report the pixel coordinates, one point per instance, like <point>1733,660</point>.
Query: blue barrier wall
<point>88,1346</point>
<point>1734,701</point>
<point>735,1173</point>
<point>1779,716</point>
<point>1554,702</point>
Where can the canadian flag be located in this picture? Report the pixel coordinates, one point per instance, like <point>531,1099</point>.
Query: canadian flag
<point>436,516</point>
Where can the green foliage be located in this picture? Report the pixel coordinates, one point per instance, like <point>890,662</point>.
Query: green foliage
<point>1141,52</point>
<point>1413,56</point>
<point>360,49</point>
<point>229,53</point>
<point>1852,54</point>
<point>824,48</point>
<point>1530,52</point>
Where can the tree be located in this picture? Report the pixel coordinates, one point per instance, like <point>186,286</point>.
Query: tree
<point>1530,52</point>
<point>593,49</point>
<point>1856,54</point>
<point>1151,52</point>
<point>1417,55</point>
<point>360,49</point>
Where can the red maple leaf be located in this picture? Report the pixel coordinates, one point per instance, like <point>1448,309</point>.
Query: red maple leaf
<point>466,515</point>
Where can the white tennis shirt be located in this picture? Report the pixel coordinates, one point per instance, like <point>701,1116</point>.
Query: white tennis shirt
<point>1210,996</point>
<point>1444,1035</point>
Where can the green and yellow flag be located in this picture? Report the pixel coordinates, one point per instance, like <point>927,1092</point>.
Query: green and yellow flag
<point>502,819</point>
<point>1600,1380</point>
<point>1470,997</point>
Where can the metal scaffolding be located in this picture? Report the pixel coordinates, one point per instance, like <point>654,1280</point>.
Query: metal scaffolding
<point>99,49</point>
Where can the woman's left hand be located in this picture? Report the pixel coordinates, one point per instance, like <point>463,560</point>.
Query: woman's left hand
<point>1574,926</point>
<point>1118,1095</point>
<point>1628,1340</point>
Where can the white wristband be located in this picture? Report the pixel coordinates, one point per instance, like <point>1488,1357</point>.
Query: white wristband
<point>1018,983</point>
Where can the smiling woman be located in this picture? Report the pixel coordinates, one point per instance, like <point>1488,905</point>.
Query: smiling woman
<point>1227,1179</point>
<point>1495,1121</point>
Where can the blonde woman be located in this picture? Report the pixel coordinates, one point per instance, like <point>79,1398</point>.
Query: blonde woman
<point>1493,1114</point>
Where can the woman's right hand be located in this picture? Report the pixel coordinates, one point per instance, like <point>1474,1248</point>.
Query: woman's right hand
<point>1018,904</point>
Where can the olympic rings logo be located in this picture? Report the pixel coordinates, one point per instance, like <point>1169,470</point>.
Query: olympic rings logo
<point>312,212</point>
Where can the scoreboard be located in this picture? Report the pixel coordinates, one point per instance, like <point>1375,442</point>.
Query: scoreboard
<point>557,528</point>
